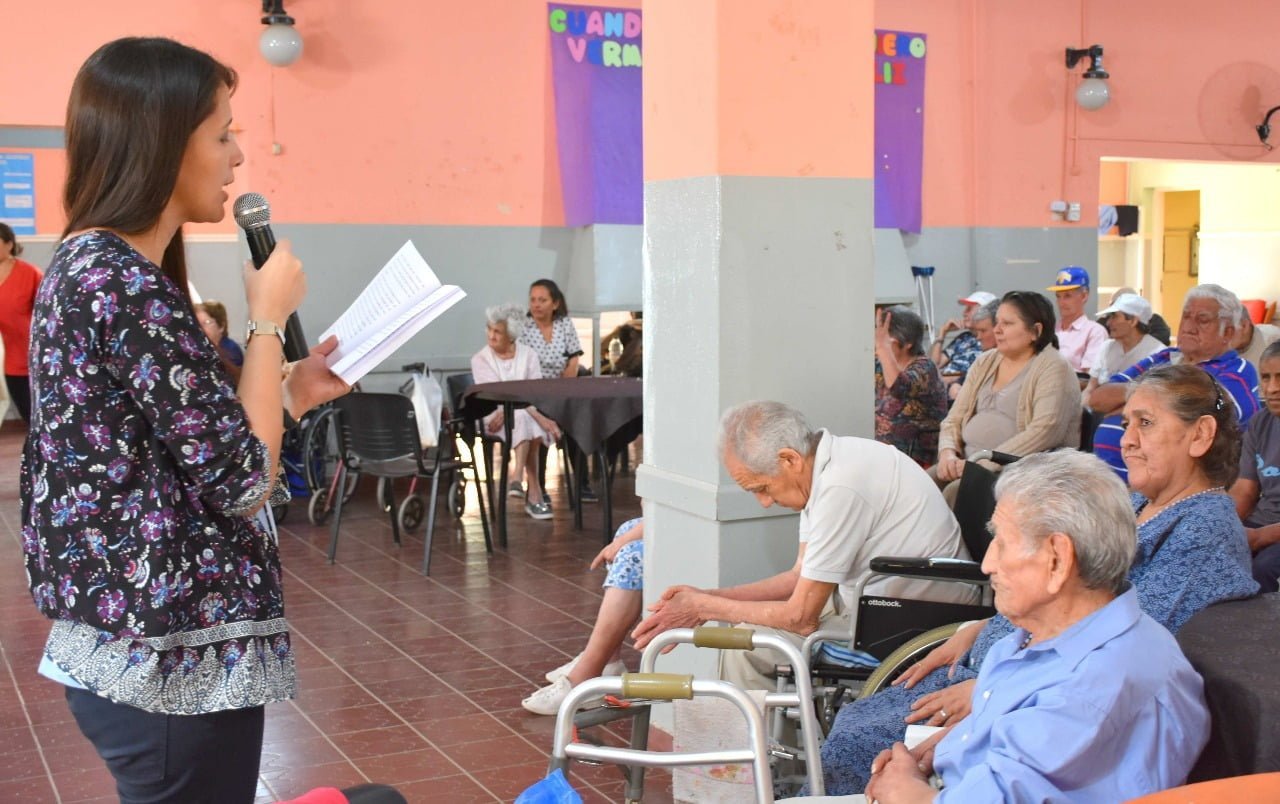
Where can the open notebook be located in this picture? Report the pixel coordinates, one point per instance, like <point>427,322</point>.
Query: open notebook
<point>404,297</point>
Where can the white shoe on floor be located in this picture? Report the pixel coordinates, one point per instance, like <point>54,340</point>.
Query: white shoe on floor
<point>610,669</point>
<point>547,700</point>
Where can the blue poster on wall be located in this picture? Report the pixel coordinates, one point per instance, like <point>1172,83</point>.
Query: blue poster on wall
<point>18,192</point>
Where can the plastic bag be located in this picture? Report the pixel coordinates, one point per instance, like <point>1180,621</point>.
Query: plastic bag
<point>428,401</point>
<point>554,789</point>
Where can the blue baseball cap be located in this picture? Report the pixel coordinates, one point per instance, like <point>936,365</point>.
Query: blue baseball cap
<point>1070,278</point>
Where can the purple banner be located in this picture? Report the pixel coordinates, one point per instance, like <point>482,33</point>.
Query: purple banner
<point>899,129</point>
<point>595,69</point>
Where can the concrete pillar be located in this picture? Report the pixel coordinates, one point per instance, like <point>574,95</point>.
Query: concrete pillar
<point>759,270</point>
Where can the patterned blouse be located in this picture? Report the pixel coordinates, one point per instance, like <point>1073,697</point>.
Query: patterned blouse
<point>961,352</point>
<point>909,414</point>
<point>555,354</point>
<point>137,481</point>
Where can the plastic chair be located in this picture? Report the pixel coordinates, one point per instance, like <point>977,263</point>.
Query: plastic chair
<point>1234,790</point>
<point>1257,309</point>
<point>378,434</point>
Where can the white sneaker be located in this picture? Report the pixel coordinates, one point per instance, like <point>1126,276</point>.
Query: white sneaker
<point>546,701</point>
<point>610,669</point>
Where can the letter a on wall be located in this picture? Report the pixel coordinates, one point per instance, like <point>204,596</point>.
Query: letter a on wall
<point>899,103</point>
<point>595,70</point>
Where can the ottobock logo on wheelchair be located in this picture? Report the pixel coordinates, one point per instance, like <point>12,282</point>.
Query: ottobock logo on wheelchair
<point>893,604</point>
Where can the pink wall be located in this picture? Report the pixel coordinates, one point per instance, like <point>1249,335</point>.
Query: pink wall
<point>398,112</point>
<point>426,112</point>
<point>1003,136</point>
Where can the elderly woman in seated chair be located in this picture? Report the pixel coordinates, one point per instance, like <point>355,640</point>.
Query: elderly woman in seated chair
<point>503,359</point>
<point>1088,699</point>
<point>1182,446</point>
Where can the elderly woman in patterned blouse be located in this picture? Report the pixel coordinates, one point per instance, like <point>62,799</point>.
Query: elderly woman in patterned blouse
<point>1182,447</point>
<point>147,539</point>
<point>911,400</point>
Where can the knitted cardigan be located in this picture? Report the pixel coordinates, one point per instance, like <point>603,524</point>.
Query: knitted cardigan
<point>1049,409</point>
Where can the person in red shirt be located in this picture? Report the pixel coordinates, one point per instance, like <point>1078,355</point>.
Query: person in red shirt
<point>18,282</point>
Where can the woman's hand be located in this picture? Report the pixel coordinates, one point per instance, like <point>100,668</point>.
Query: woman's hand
<point>494,424</point>
<point>551,428</point>
<point>950,467</point>
<point>948,653</point>
<point>275,291</point>
<point>896,777</point>
<point>309,381</point>
<point>944,706</point>
<point>884,341</point>
<point>610,551</point>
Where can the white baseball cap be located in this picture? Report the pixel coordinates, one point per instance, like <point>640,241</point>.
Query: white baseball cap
<point>1129,304</point>
<point>978,297</point>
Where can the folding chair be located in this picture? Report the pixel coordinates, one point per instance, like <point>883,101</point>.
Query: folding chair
<point>378,434</point>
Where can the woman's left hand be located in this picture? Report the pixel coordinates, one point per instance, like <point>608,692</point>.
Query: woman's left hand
<point>896,776</point>
<point>944,706</point>
<point>310,382</point>
<point>608,553</point>
<point>884,341</point>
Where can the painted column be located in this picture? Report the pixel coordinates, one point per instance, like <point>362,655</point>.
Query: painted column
<point>759,271</point>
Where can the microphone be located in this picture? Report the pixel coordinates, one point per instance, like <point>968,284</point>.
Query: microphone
<point>253,214</point>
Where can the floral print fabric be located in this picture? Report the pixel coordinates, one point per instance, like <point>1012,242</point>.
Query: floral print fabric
<point>909,414</point>
<point>137,480</point>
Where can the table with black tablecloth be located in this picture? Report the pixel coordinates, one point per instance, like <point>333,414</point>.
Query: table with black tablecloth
<point>597,413</point>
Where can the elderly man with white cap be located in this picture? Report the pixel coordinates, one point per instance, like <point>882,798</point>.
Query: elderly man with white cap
<point>1127,320</point>
<point>954,360</point>
<point>1079,339</point>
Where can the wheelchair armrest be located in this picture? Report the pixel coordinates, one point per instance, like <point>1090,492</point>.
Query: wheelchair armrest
<point>935,569</point>
<point>998,458</point>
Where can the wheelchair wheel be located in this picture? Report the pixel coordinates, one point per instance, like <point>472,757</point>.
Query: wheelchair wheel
<point>280,512</point>
<point>906,655</point>
<point>458,496</point>
<point>318,509</point>
<point>412,510</point>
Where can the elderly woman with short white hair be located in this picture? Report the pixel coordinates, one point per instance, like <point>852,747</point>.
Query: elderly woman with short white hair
<point>503,359</point>
<point>1089,699</point>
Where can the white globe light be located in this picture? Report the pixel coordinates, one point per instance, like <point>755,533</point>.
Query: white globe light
<point>280,44</point>
<point>1092,94</point>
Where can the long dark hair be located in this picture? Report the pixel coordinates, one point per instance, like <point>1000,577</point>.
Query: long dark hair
<point>557,298</point>
<point>7,235</point>
<point>1033,308</point>
<point>133,108</point>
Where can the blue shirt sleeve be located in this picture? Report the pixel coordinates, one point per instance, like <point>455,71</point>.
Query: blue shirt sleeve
<point>1142,366</point>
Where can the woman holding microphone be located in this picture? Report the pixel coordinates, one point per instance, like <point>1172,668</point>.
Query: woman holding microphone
<point>146,531</point>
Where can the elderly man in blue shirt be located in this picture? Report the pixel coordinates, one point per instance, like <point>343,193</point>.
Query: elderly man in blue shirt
<point>1089,699</point>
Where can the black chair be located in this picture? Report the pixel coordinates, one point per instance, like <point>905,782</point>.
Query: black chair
<point>1232,646</point>
<point>1089,421</point>
<point>473,432</point>
<point>378,434</point>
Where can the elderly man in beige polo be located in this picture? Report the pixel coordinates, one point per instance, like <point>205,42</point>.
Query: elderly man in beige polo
<point>857,499</point>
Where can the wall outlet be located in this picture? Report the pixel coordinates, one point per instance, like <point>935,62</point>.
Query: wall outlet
<point>1073,211</point>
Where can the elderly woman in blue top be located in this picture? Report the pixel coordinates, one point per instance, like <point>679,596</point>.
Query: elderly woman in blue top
<point>1088,699</point>
<point>1182,444</point>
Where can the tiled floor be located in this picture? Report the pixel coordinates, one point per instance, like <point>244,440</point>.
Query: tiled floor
<point>406,680</point>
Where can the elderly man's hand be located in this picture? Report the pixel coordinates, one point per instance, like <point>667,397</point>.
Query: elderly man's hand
<point>677,608</point>
<point>944,706</point>
<point>896,777</point>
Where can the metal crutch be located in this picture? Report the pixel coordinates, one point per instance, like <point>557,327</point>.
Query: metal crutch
<point>924,293</point>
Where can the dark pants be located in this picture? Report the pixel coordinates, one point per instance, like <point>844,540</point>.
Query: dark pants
<point>1266,568</point>
<point>185,759</point>
<point>20,393</point>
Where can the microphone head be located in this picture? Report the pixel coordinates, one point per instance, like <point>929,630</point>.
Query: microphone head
<point>251,211</point>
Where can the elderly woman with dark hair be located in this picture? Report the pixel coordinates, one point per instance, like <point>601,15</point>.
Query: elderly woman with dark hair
<point>1022,397</point>
<point>1182,445</point>
<point>1088,699</point>
<point>910,397</point>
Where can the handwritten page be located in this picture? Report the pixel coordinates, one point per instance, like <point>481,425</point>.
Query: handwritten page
<point>404,297</point>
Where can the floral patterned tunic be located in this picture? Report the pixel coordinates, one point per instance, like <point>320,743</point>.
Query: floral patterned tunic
<point>909,413</point>
<point>137,480</point>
